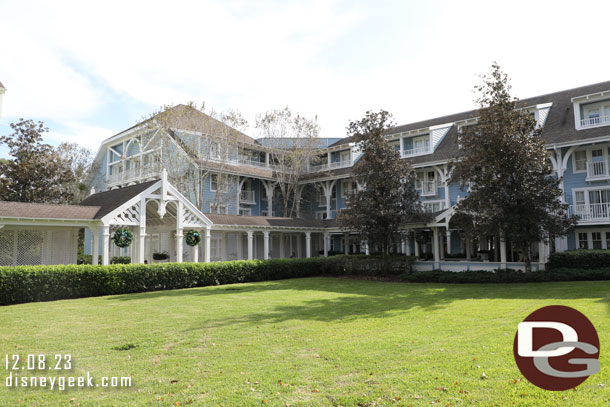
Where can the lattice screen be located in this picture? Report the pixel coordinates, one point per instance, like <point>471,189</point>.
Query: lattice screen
<point>29,247</point>
<point>7,244</point>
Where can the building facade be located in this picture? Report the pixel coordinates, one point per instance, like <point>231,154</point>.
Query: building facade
<point>230,177</point>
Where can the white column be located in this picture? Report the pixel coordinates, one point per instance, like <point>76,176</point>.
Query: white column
<point>416,246</point>
<point>282,253</point>
<point>141,244</point>
<point>403,245</point>
<point>542,251</point>
<point>195,254</point>
<point>448,237</point>
<point>208,238</point>
<point>106,246</point>
<point>436,247</point>
<point>503,253</point>
<point>328,197</point>
<point>179,233</point>
<point>95,243</point>
<point>408,245</point>
<point>250,244</point>
<point>266,245</point>
<point>346,243</point>
<point>142,230</point>
<point>326,244</point>
<point>367,250</point>
<point>308,244</point>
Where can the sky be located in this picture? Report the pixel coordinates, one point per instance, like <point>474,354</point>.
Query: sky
<point>91,69</point>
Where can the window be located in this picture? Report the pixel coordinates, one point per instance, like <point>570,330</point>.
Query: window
<point>607,240</point>
<point>433,206</point>
<point>214,183</point>
<point>344,156</point>
<point>580,161</point>
<point>579,197</point>
<point>421,144</point>
<point>222,209</point>
<point>596,238</point>
<point>583,241</point>
<point>395,144</point>
<point>214,151</point>
<point>245,211</point>
<point>321,215</point>
<point>348,188</point>
<point>595,114</point>
<point>265,212</point>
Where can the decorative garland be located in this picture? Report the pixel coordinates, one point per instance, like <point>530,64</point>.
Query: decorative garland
<point>122,237</point>
<point>193,238</point>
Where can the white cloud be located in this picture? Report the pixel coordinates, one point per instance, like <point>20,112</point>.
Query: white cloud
<point>69,60</point>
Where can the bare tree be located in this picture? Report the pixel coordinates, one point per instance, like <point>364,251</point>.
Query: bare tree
<point>292,140</point>
<point>199,145</point>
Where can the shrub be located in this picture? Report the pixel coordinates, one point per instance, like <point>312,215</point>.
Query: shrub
<point>506,276</point>
<point>160,256</point>
<point>580,259</point>
<point>45,283</point>
<point>120,260</point>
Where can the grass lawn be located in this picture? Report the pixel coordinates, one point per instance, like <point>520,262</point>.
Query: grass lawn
<point>305,342</point>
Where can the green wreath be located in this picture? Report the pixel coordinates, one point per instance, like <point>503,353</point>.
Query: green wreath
<point>193,238</point>
<point>122,237</point>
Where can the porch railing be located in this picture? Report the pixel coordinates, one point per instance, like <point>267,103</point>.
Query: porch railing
<point>134,174</point>
<point>591,212</point>
<point>330,166</point>
<point>597,169</point>
<point>428,188</point>
<point>415,151</point>
<point>594,121</point>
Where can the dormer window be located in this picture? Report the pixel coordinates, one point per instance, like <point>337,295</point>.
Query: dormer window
<point>595,114</point>
<point>592,110</point>
<point>416,145</point>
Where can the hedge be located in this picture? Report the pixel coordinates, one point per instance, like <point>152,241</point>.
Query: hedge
<point>580,259</point>
<point>506,276</point>
<point>44,283</point>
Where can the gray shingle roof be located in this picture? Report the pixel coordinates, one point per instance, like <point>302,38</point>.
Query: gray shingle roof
<point>110,200</point>
<point>559,126</point>
<point>47,211</point>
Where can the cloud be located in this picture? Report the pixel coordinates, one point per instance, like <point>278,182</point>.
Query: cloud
<point>88,66</point>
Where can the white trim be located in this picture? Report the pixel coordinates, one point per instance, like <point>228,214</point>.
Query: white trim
<point>589,232</point>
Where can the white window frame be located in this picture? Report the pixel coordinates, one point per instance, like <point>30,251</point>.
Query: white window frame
<point>579,101</point>
<point>320,215</point>
<point>343,189</point>
<point>248,210</point>
<point>589,232</point>
<point>586,191</point>
<point>345,156</point>
<point>574,170</point>
<point>440,202</point>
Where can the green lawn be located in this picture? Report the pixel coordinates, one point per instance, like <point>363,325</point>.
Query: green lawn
<point>305,342</point>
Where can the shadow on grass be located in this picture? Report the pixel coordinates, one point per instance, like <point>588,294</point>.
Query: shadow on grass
<point>370,299</point>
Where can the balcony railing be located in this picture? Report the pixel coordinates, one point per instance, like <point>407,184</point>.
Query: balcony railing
<point>416,151</point>
<point>591,212</point>
<point>595,121</point>
<point>245,160</point>
<point>597,169</point>
<point>246,196</point>
<point>330,166</point>
<point>134,174</point>
<point>428,188</point>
